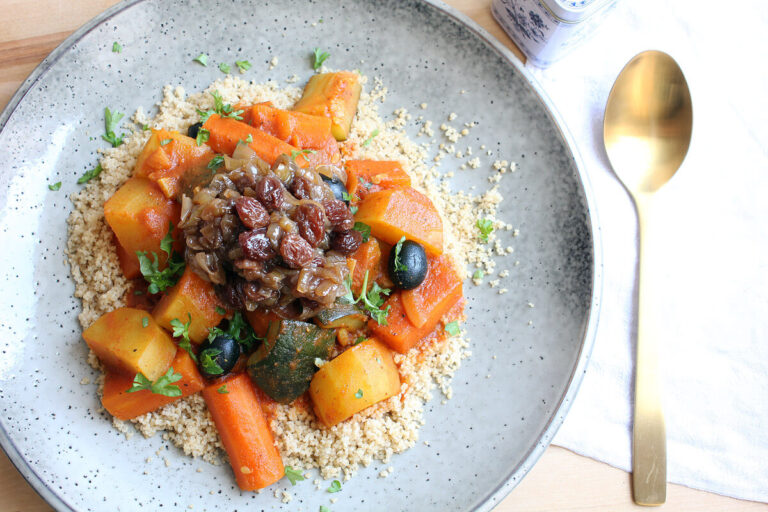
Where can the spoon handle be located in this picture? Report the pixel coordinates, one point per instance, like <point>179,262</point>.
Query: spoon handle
<point>649,443</point>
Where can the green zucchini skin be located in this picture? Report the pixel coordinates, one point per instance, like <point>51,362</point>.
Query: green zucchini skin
<point>284,364</point>
<point>341,316</point>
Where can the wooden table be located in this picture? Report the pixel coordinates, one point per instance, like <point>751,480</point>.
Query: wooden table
<point>561,480</point>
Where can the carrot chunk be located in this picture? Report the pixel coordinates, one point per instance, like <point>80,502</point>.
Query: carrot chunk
<point>367,258</point>
<point>244,432</point>
<point>126,406</point>
<point>440,290</point>
<point>364,177</point>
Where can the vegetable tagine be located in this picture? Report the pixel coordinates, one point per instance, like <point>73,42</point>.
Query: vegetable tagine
<point>269,269</point>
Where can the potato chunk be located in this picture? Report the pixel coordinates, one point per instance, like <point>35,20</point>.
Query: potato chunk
<point>358,378</point>
<point>123,343</point>
<point>332,95</point>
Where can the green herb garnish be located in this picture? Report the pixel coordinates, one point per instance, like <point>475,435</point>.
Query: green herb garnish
<point>224,67</point>
<point>243,65</point>
<point>56,186</point>
<point>116,48</point>
<point>221,108</point>
<point>359,340</point>
<point>452,328</point>
<point>345,196</point>
<point>486,228</point>
<point>293,475</point>
<point>181,330</point>
<point>202,136</point>
<point>320,57</point>
<point>215,162</point>
<point>336,485</point>
<point>223,390</point>
<point>249,138</point>
<point>111,122</point>
<point>89,175</point>
<point>240,330</point>
<point>399,266</point>
<point>359,393</point>
<point>372,300</point>
<point>478,274</point>
<point>145,322</point>
<point>165,142</point>
<point>220,310</point>
<point>367,141</point>
<point>145,127</point>
<point>323,508</point>
<point>296,153</point>
<point>353,209</point>
<point>202,59</point>
<point>364,230</point>
<point>162,386</point>
<point>208,361</point>
<point>158,279</point>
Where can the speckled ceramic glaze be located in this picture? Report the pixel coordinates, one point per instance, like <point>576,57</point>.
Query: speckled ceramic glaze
<point>505,409</point>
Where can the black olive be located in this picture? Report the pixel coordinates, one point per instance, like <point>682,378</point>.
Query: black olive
<point>412,265</point>
<point>337,187</point>
<point>220,353</point>
<point>192,130</point>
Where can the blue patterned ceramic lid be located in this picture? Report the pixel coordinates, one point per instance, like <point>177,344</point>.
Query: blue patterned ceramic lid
<point>574,11</point>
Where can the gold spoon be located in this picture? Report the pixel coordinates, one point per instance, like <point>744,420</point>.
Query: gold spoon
<point>647,130</point>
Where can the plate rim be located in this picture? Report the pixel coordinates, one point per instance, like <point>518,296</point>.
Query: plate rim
<point>510,481</point>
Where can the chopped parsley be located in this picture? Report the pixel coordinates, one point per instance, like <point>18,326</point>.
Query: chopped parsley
<point>116,48</point>
<point>162,386</point>
<point>367,141</point>
<point>243,65</point>
<point>359,393</point>
<point>220,310</point>
<point>56,186</point>
<point>486,228</point>
<point>145,322</point>
<point>181,330</point>
<point>89,175</point>
<point>296,153</point>
<point>345,196</point>
<point>221,108</point>
<point>364,230</point>
<point>158,279</point>
<point>208,361</point>
<point>223,390</point>
<point>367,184</point>
<point>323,508</point>
<point>202,59</point>
<point>111,122</point>
<point>145,127</point>
<point>240,330</point>
<point>399,266</point>
<point>293,475</point>
<point>335,486</point>
<point>359,340</point>
<point>320,57</point>
<point>224,67</point>
<point>249,138</point>
<point>452,328</point>
<point>214,164</point>
<point>202,136</point>
<point>372,300</point>
<point>165,142</point>
<point>478,274</point>
<point>353,209</point>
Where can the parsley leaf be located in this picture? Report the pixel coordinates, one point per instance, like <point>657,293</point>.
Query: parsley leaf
<point>208,361</point>
<point>162,386</point>
<point>359,394</point>
<point>320,57</point>
<point>239,329</point>
<point>215,162</point>
<point>111,122</point>
<point>323,508</point>
<point>367,141</point>
<point>364,230</point>
<point>220,310</point>
<point>372,299</point>
<point>225,68</point>
<point>248,139</point>
<point>116,48</point>
<point>89,175</point>
<point>145,127</point>
<point>56,186</point>
<point>359,340</point>
<point>296,153</point>
<point>181,330</point>
<point>165,142</point>
<point>219,107</point>
<point>452,328</point>
<point>202,136</point>
<point>345,196</point>
<point>243,65</point>
<point>335,486</point>
<point>478,274</point>
<point>202,59</point>
<point>353,209</point>
<point>399,266</point>
<point>293,475</point>
<point>486,228</point>
<point>145,322</point>
<point>158,279</point>
<point>223,390</point>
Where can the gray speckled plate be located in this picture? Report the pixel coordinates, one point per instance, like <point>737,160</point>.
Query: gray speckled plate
<point>505,409</point>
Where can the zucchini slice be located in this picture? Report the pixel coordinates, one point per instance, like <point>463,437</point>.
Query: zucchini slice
<point>284,364</point>
<point>338,316</point>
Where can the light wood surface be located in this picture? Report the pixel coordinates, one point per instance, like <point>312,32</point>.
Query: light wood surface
<point>561,481</point>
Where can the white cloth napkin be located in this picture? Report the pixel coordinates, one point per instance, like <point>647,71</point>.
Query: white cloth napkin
<point>713,234</point>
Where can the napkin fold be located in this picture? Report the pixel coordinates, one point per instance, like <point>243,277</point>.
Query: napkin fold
<point>709,239</point>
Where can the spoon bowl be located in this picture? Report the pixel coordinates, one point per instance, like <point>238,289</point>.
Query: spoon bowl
<point>647,131</point>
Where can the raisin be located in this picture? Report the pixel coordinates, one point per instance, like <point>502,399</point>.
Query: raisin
<point>251,212</point>
<point>270,192</point>
<point>346,242</point>
<point>296,252</point>
<point>338,214</point>
<point>232,293</point>
<point>309,218</point>
<point>256,245</point>
<point>301,188</point>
